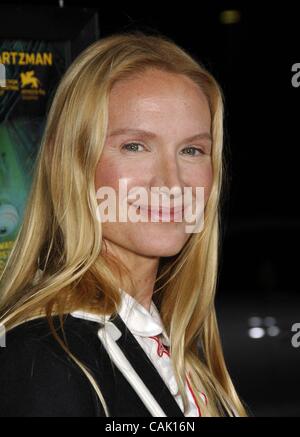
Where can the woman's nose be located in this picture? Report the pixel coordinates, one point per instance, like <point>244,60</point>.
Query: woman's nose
<point>167,173</point>
<point>168,182</point>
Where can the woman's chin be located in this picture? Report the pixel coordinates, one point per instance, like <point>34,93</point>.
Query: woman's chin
<point>160,249</point>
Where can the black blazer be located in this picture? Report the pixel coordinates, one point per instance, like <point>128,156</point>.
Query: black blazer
<point>38,378</point>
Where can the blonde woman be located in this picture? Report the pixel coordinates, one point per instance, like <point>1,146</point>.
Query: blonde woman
<point>117,318</point>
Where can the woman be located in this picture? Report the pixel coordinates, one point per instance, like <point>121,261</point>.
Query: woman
<point>112,317</point>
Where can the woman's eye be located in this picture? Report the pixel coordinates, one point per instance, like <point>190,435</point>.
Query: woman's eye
<point>191,151</point>
<point>132,147</point>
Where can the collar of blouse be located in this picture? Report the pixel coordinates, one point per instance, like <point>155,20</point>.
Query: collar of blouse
<point>137,318</point>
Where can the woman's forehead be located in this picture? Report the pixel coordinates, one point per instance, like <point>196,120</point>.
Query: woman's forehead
<point>145,103</point>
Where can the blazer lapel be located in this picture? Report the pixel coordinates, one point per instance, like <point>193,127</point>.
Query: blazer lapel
<point>134,364</point>
<point>143,366</point>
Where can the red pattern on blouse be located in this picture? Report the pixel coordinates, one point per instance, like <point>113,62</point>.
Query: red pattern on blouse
<point>161,349</point>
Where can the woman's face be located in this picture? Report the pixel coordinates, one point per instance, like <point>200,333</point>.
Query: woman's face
<point>172,109</point>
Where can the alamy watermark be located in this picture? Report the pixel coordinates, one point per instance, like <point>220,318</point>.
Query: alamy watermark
<point>295,80</point>
<point>134,206</point>
<point>296,337</point>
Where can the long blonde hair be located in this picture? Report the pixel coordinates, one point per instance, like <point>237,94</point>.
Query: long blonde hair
<point>62,237</point>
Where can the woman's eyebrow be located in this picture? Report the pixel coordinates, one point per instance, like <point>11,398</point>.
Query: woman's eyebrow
<point>148,134</point>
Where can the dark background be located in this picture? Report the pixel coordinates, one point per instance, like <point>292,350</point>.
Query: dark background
<point>252,59</point>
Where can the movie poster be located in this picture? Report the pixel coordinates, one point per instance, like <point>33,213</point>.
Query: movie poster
<point>33,70</point>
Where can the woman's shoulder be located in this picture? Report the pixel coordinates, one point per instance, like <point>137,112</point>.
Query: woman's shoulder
<point>38,377</point>
<point>34,334</point>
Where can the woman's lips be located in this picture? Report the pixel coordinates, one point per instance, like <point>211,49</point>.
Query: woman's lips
<point>159,213</point>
